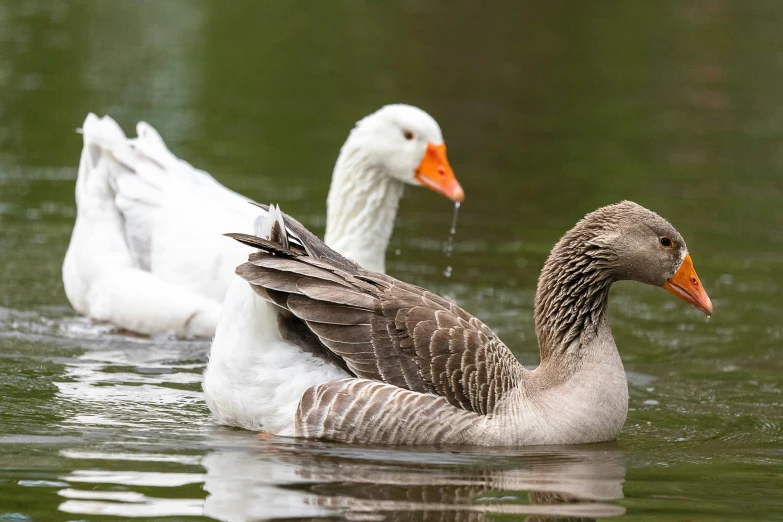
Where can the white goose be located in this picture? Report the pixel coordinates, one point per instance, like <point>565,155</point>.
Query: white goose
<point>147,252</point>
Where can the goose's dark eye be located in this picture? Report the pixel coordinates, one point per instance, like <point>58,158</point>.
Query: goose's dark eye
<point>666,242</point>
<point>408,135</point>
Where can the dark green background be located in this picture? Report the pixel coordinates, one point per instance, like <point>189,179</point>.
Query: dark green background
<point>549,110</point>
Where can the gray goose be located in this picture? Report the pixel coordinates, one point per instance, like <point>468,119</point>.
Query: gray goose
<point>418,369</point>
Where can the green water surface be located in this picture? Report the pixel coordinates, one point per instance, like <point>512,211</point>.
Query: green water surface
<point>549,110</point>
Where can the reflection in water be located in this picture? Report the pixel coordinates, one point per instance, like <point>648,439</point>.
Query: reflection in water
<point>281,478</point>
<point>97,500</point>
<point>140,388</point>
<point>683,115</point>
<point>138,401</point>
<point>127,504</point>
<point>139,404</point>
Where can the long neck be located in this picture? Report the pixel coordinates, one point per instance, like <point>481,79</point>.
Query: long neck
<point>571,300</point>
<point>361,208</point>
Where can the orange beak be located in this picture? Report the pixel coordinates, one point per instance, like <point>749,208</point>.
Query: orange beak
<point>435,172</point>
<point>685,284</point>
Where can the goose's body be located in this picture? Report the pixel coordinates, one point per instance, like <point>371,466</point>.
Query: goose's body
<point>370,359</point>
<point>147,251</point>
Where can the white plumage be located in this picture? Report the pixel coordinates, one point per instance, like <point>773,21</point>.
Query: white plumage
<point>254,378</point>
<point>147,251</point>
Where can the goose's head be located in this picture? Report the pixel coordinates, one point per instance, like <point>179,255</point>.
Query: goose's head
<point>639,245</point>
<point>406,144</point>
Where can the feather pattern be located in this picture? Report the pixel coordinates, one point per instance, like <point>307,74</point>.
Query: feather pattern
<point>417,368</point>
<point>367,411</point>
<point>389,331</point>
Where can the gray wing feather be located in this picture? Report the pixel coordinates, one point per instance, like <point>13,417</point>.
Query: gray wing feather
<point>393,332</point>
<point>365,411</point>
<point>380,328</point>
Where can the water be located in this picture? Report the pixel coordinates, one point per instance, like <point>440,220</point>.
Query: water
<point>549,111</point>
<point>449,247</point>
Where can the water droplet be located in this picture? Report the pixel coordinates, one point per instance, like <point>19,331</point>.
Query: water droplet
<point>449,247</point>
<point>397,252</point>
<point>708,317</point>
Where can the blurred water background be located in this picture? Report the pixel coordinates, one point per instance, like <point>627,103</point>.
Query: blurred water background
<point>549,110</point>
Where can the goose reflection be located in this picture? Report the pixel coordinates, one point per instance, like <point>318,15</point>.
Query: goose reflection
<point>280,478</point>
<point>144,389</point>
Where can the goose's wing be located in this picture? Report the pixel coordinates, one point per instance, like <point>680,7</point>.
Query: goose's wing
<point>174,215</point>
<point>147,251</point>
<point>382,329</point>
<point>372,412</point>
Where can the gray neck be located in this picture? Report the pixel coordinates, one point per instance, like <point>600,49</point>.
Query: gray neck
<point>571,299</point>
<point>361,209</point>
<point>581,377</point>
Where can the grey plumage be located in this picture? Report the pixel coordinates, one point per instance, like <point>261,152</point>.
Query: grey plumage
<point>574,285</point>
<point>379,329</point>
<point>427,371</point>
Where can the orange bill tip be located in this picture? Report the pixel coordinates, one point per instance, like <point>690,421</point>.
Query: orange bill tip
<point>435,173</point>
<point>685,284</point>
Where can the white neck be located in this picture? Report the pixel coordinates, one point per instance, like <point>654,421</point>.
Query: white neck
<point>360,209</point>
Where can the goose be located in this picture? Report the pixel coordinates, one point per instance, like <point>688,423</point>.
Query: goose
<point>364,358</point>
<point>147,252</point>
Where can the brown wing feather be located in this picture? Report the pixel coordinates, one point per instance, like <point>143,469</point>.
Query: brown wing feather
<point>390,331</point>
<point>365,411</point>
<point>377,327</point>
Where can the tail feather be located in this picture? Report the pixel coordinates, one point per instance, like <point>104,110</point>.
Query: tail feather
<point>151,144</point>
<point>122,179</point>
<point>134,196</point>
<point>278,232</point>
<point>263,244</point>
<point>103,139</point>
<point>103,132</point>
<point>97,239</point>
<point>109,155</point>
<point>139,184</point>
<point>271,226</point>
